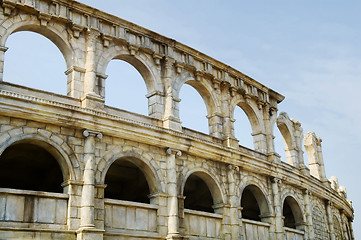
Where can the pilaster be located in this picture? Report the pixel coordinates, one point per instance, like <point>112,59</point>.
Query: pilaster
<point>234,213</point>
<point>91,97</point>
<point>267,115</point>
<point>278,208</point>
<point>310,234</point>
<point>87,228</point>
<point>330,219</point>
<point>170,118</point>
<point>173,218</point>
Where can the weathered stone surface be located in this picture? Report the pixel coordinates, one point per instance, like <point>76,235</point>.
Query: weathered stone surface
<point>197,186</point>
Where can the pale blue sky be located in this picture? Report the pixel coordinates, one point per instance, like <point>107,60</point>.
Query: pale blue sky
<point>309,51</point>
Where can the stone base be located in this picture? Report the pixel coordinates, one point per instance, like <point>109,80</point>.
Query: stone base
<point>93,101</point>
<point>230,142</point>
<point>89,234</point>
<point>274,158</point>
<point>175,237</point>
<point>173,124</point>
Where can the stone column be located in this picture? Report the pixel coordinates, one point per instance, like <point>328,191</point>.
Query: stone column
<point>87,222</point>
<point>330,219</point>
<point>278,208</point>
<point>173,220</point>
<point>2,53</point>
<point>267,115</point>
<point>91,96</point>
<point>235,220</point>
<point>170,120</point>
<point>310,234</point>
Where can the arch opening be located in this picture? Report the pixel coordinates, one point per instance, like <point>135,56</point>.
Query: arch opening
<point>125,87</point>
<point>292,214</point>
<point>192,108</point>
<point>197,195</point>
<point>279,144</point>
<point>250,208</point>
<point>243,128</point>
<point>254,204</point>
<point>289,219</point>
<point>39,49</point>
<point>126,181</point>
<point>30,166</point>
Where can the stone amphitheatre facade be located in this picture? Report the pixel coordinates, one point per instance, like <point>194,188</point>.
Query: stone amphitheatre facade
<point>73,168</point>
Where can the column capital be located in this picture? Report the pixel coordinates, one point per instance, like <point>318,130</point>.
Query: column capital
<point>176,152</point>
<point>328,203</point>
<point>87,133</point>
<point>93,33</point>
<point>307,192</point>
<point>233,167</point>
<point>276,180</point>
<point>168,62</point>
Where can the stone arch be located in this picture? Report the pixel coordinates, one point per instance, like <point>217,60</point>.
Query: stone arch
<point>254,115</point>
<point>140,61</point>
<point>284,125</point>
<point>218,194</point>
<point>292,213</point>
<point>261,200</point>
<point>62,153</point>
<point>141,161</point>
<point>32,24</point>
<point>203,88</point>
<point>250,110</point>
